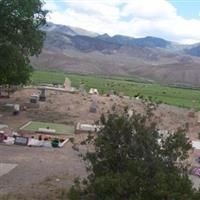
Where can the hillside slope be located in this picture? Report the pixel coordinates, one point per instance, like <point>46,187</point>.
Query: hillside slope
<point>76,50</point>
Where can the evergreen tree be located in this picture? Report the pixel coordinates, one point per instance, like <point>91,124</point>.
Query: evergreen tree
<point>132,161</point>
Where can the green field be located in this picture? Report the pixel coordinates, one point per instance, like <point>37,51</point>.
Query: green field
<point>60,128</point>
<point>188,98</point>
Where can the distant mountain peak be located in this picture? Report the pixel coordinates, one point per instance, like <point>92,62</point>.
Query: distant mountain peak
<point>70,30</point>
<point>148,41</point>
<point>106,35</point>
<point>77,50</point>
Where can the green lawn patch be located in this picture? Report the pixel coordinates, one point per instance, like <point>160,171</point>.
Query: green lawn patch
<point>187,98</point>
<point>60,128</point>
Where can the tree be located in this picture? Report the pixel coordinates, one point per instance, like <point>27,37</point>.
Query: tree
<point>132,161</point>
<point>20,38</point>
<point>14,69</point>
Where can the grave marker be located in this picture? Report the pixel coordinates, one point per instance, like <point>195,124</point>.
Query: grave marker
<point>42,94</point>
<point>93,107</point>
<point>34,98</point>
<point>19,140</point>
<point>1,137</point>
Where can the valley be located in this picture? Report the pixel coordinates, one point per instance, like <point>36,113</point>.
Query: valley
<point>187,98</point>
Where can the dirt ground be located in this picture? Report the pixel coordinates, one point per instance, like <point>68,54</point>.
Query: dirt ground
<point>72,108</point>
<point>41,170</point>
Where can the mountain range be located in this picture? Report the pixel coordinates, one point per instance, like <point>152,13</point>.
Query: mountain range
<point>76,50</point>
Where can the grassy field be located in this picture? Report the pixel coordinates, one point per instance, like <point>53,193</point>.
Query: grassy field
<point>60,128</point>
<point>187,98</point>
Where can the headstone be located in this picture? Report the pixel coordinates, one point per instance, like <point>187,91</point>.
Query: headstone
<point>35,142</point>
<point>2,137</point>
<point>93,91</point>
<point>46,130</point>
<point>93,107</point>
<point>19,140</point>
<point>16,109</point>
<point>34,98</point>
<point>82,88</point>
<point>67,84</point>
<point>42,94</point>
<point>9,140</point>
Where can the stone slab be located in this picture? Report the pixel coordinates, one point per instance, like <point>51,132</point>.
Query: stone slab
<point>5,168</point>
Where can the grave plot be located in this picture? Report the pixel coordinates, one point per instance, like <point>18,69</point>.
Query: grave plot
<point>44,134</point>
<point>50,128</point>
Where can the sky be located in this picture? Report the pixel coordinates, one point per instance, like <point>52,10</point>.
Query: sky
<point>174,20</point>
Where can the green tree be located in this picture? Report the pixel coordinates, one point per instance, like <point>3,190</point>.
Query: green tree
<point>20,38</point>
<point>132,161</point>
<point>14,69</point>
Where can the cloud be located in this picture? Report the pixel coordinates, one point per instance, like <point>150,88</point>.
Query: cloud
<point>96,9</point>
<point>156,9</point>
<point>136,18</point>
<point>51,6</point>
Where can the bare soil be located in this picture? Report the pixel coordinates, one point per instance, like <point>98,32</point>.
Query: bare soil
<point>42,171</point>
<point>39,170</point>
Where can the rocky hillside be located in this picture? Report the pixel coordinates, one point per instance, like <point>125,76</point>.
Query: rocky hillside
<point>77,50</point>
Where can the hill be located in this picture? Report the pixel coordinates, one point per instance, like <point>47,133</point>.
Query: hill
<point>79,51</point>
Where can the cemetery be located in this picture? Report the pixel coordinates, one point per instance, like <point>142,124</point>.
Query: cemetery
<point>49,116</point>
<point>99,101</point>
